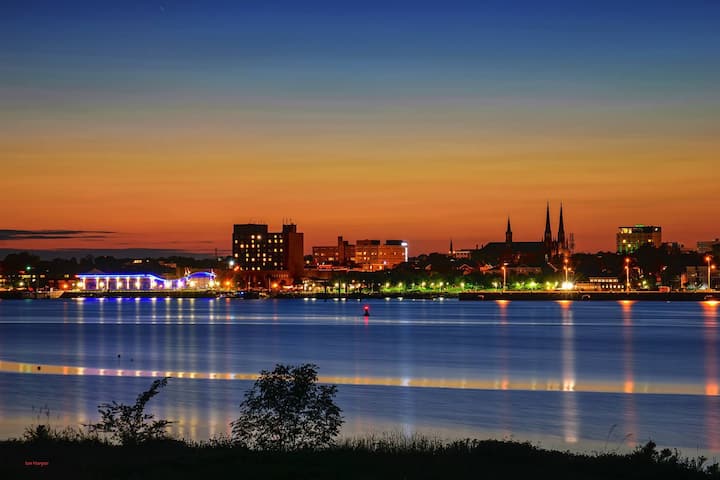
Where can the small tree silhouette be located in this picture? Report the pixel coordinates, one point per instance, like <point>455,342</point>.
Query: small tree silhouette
<point>287,410</point>
<point>130,425</point>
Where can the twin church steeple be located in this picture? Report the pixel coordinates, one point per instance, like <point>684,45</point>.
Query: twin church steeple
<point>559,244</point>
<point>553,247</point>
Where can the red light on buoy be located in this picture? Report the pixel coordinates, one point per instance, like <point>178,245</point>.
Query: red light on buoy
<point>366,311</point>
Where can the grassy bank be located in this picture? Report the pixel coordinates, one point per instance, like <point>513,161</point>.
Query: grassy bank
<point>367,458</point>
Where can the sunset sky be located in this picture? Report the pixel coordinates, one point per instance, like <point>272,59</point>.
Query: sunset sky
<point>160,124</point>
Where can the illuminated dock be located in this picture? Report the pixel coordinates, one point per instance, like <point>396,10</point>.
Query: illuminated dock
<point>591,296</point>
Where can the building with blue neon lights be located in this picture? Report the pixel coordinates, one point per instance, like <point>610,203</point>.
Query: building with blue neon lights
<point>144,281</point>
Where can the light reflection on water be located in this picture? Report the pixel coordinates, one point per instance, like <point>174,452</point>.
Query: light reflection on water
<point>629,384</point>
<point>570,421</point>
<point>710,318</point>
<point>565,372</point>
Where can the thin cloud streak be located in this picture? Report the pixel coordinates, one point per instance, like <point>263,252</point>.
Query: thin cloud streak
<point>13,234</point>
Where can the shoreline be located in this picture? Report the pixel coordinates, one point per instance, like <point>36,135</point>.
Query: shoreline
<point>480,295</point>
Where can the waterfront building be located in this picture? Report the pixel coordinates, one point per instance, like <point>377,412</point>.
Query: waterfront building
<point>326,255</point>
<point>371,256</point>
<point>341,254</point>
<point>102,281</point>
<point>601,284</point>
<point>255,249</point>
<point>629,239</point>
<point>462,254</point>
<point>367,255</point>
<point>707,246</point>
<point>696,277</point>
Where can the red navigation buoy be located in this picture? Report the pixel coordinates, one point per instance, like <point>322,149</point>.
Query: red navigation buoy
<point>366,311</point>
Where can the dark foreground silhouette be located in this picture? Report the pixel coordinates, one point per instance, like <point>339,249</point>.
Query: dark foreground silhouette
<point>286,429</point>
<point>356,459</point>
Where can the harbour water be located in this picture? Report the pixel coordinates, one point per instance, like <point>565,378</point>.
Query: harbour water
<point>593,376</point>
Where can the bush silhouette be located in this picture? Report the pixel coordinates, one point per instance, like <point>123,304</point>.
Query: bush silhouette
<point>130,425</point>
<point>287,410</point>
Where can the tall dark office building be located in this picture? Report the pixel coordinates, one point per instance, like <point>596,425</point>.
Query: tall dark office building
<point>256,249</point>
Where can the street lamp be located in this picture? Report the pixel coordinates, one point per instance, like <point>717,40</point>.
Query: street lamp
<point>627,274</point>
<point>707,259</point>
<point>504,270</point>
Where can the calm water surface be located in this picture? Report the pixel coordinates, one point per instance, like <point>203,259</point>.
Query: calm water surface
<point>583,376</point>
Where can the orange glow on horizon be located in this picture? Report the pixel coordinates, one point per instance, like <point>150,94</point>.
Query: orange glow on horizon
<point>142,172</point>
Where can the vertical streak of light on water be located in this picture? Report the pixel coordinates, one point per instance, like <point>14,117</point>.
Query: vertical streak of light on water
<point>168,310</point>
<point>116,387</point>
<point>212,367</point>
<point>405,351</point>
<point>165,363</point>
<point>81,360</point>
<point>503,344</point>
<point>570,412</point>
<point>225,365</point>
<point>630,414</point>
<point>101,347</point>
<point>76,309</point>
<point>192,350</point>
<point>177,366</point>
<point>710,324</point>
<point>153,311</point>
<point>360,340</point>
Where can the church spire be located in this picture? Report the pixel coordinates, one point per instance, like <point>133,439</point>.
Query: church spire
<point>561,230</point>
<point>548,231</point>
<point>452,250</point>
<point>508,233</point>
